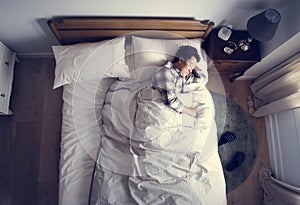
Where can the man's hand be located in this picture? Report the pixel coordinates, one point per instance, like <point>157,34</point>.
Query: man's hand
<point>193,111</point>
<point>190,111</point>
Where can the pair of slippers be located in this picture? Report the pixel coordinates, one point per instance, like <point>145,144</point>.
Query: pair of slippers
<point>238,157</point>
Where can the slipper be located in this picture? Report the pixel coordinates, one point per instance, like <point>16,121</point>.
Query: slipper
<point>226,137</point>
<point>236,161</point>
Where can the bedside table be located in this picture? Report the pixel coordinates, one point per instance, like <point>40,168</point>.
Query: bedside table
<point>239,61</point>
<point>7,63</point>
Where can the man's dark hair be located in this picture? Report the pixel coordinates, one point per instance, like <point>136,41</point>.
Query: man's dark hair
<point>186,52</point>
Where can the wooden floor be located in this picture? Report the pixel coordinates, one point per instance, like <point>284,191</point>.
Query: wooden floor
<point>248,193</point>
<point>30,143</point>
<point>29,139</point>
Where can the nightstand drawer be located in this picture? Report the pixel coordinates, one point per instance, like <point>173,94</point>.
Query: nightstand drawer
<point>232,66</point>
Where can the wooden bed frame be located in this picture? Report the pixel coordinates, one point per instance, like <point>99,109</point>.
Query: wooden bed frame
<point>75,30</point>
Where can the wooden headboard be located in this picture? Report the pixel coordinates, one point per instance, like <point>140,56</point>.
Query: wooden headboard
<point>75,30</point>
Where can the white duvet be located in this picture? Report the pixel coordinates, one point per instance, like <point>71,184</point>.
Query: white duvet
<point>151,154</point>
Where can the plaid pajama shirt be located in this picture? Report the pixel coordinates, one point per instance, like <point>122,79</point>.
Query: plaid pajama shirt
<point>169,81</point>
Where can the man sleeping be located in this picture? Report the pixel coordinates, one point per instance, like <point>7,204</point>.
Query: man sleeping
<point>176,77</point>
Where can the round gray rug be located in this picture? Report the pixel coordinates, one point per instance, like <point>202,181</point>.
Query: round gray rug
<point>231,117</point>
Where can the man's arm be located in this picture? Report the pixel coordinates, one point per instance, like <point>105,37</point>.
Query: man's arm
<point>165,80</point>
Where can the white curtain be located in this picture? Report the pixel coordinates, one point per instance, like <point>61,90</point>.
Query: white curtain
<point>277,90</point>
<point>277,192</point>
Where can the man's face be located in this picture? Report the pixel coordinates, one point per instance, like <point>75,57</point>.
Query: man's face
<point>188,66</point>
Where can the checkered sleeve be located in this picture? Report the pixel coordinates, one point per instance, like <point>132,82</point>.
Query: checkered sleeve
<point>193,79</point>
<point>164,79</point>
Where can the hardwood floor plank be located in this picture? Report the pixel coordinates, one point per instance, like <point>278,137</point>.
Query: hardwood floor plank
<point>5,134</point>
<point>50,139</point>
<point>29,88</point>
<point>25,158</point>
<point>48,193</point>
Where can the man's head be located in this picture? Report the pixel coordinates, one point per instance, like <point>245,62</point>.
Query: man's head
<point>186,59</point>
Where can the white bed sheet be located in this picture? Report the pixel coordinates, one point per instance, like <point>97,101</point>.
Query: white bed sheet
<point>80,141</point>
<point>138,163</point>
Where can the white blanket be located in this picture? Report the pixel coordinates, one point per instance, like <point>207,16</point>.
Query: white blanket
<point>151,154</point>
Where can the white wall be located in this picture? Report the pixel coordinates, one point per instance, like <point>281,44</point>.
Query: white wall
<point>288,27</point>
<point>277,56</point>
<point>24,29</point>
<point>284,44</point>
<point>24,26</point>
<point>283,131</point>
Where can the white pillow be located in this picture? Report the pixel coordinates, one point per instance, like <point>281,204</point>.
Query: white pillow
<point>86,61</point>
<point>155,52</point>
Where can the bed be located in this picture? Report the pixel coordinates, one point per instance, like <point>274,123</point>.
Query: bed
<point>120,144</point>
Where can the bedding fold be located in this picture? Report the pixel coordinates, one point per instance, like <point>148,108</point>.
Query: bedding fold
<point>151,154</point>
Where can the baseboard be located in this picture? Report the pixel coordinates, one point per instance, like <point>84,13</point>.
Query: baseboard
<point>35,55</point>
